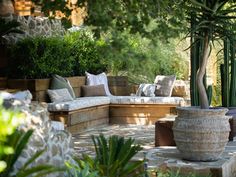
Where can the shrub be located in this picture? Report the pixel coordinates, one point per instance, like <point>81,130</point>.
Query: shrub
<point>39,57</point>
<point>141,59</point>
<point>85,50</point>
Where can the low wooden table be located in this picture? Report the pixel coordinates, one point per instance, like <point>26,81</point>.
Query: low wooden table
<point>163,132</point>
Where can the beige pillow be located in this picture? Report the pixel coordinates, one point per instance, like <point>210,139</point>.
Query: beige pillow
<point>98,79</point>
<point>164,85</point>
<point>59,95</point>
<point>93,90</point>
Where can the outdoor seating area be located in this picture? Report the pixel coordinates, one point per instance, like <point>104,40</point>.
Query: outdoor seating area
<point>117,88</point>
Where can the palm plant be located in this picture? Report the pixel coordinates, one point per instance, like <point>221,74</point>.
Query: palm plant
<point>214,20</point>
<point>113,157</point>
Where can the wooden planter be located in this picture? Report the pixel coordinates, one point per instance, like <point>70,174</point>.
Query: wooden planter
<point>38,87</point>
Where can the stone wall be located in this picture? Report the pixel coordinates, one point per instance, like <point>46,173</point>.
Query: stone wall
<point>35,26</point>
<point>57,144</point>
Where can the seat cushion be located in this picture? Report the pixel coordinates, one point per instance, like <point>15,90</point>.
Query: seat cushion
<point>59,95</point>
<point>146,100</point>
<point>79,103</point>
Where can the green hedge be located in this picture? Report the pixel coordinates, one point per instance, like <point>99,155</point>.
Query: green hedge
<point>39,57</point>
<point>117,53</point>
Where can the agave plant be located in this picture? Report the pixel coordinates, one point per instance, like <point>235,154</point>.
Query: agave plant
<point>214,20</point>
<point>113,157</point>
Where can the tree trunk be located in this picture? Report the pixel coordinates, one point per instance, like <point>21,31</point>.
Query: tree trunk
<point>201,72</point>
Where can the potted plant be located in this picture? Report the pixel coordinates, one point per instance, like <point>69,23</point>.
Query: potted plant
<point>201,133</point>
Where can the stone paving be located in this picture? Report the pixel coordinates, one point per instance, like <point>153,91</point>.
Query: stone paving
<point>162,157</point>
<point>143,135</point>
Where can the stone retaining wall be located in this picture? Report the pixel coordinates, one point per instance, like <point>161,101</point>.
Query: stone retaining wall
<point>57,144</point>
<point>34,26</point>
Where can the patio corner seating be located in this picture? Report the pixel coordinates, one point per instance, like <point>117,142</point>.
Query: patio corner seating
<point>87,112</point>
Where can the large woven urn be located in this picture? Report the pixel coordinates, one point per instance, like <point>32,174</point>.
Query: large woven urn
<point>201,134</point>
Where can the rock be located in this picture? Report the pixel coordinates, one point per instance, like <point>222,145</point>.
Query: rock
<point>54,142</point>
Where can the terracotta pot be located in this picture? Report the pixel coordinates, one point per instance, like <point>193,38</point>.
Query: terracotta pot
<point>201,134</point>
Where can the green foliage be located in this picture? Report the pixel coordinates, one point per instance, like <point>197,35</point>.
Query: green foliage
<point>228,72</point>
<point>66,56</point>
<point>9,120</point>
<point>40,57</point>
<point>113,157</point>
<point>164,17</point>
<point>85,50</point>
<point>135,15</point>
<point>18,141</point>
<point>12,144</point>
<point>211,21</point>
<point>141,59</point>
<point>81,169</point>
<point>7,28</point>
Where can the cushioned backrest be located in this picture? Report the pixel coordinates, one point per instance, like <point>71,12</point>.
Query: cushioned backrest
<point>59,82</point>
<point>164,85</point>
<point>98,80</point>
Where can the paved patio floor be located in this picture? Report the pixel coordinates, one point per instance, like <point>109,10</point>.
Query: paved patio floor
<point>157,157</point>
<point>143,135</point>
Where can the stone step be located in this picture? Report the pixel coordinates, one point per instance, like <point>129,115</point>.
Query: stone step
<point>168,158</point>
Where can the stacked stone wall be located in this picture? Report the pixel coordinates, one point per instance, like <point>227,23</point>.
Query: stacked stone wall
<point>57,144</point>
<point>34,26</point>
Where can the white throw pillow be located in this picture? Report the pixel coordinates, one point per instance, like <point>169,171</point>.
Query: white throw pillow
<point>59,95</point>
<point>164,85</point>
<point>146,90</point>
<point>98,80</point>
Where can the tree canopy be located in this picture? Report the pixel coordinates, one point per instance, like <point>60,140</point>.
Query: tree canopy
<point>149,18</point>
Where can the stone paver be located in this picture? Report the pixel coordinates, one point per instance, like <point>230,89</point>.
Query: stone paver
<point>163,157</point>
<point>143,135</point>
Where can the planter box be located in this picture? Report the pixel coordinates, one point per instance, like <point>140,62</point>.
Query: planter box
<point>38,87</point>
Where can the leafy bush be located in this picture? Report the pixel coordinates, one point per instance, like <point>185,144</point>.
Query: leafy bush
<point>85,50</point>
<point>141,59</point>
<point>39,57</point>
